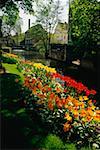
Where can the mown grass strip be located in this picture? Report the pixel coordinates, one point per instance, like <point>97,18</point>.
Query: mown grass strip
<point>12,68</point>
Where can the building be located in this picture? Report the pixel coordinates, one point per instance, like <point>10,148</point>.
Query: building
<point>58,42</point>
<point>34,36</point>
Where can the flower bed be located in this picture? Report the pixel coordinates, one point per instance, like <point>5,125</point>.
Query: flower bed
<point>65,106</point>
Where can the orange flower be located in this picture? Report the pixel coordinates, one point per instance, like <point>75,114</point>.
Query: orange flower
<point>89,118</point>
<point>57,99</point>
<point>50,105</point>
<point>52,95</point>
<point>90,112</point>
<point>59,104</point>
<point>69,98</point>
<point>68,117</point>
<point>70,108</point>
<point>34,90</point>
<point>76,103</point>
<point>42,96</point>
<point>75,113</point>
<point>66,101</point>
<point>96,118</point>
<point>58,90</point>
<point>66,106</point>
<point>33,81</point>
<point>90,102</point>
<point>39,86</point>
<point>97,112</point>
<point>66,127</point>
<point>82,113</point>
<point>46,88</point>
<point>63,101</point>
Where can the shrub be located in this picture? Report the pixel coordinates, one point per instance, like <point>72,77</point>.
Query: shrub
<point>69,146</point>
<point>52,142</point>
<point>8,60</point>
<point>10,85</point>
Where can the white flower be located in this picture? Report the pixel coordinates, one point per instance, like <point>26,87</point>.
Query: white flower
<point>95,145</point>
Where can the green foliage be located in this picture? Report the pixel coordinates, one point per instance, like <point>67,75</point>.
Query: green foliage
<point>9,17</point>
<point>52,142</point>
<point>70,146</point>
<point>87,135</point>
<point>8,60</point>
<point>10,13</point>
<point>39,36</point>
<point>86,148</point>
<point>85,24</point>
<point>8,86</point>
<point>8,5</point>
<point>18,38</point>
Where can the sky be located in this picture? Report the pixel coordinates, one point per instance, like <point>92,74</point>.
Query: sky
<point>25,17</point>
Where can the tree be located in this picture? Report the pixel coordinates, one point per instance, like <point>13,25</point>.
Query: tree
<point>17,29</point>
<point>7,5</point>
<point>10,26</point>
<point>47,15</point>
<point>38,35</point>
<point>85,25</point>
<point>10,11</point>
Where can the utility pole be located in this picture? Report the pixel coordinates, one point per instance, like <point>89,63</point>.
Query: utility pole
<point>69,25</point>
<point>0,32</point>
<point>70,43</point>
<point>1,42</point>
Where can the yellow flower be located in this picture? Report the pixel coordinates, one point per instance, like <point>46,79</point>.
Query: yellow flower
<point>76,113</point>
<point>68,117</point>
<point>48,69</point>
<point>81,98</point>
<point>81,104</point>
<point>93,107</point>
<point>11,55</point>
<point>85,97</point>
<point>90,112</point>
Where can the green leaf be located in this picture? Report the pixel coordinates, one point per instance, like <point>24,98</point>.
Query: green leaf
<point>19,111</point>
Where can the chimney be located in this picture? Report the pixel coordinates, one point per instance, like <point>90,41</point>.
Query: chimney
<point>29,23</point>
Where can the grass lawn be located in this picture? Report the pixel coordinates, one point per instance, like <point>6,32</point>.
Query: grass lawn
<point>12,68</point>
